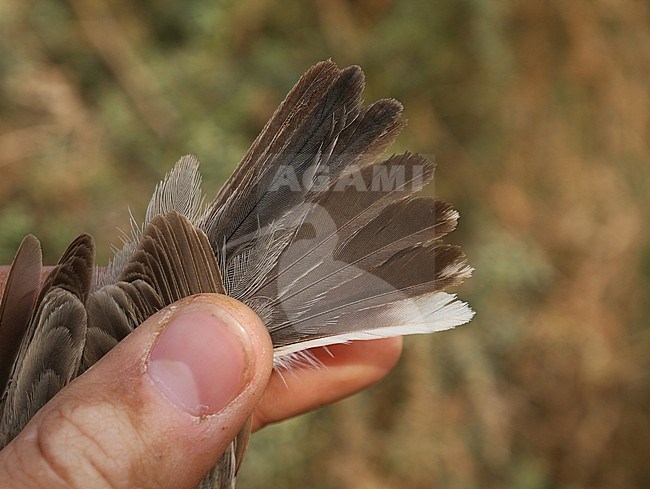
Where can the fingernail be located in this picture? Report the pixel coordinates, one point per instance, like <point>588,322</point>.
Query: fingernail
<point>200,360</point>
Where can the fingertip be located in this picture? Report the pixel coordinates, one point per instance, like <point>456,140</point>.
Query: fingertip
<point>344,370</point>
<point>210,346</point>
<point>251,322</point>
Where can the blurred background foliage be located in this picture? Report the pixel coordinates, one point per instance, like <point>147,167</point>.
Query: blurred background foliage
<point>538,114</point>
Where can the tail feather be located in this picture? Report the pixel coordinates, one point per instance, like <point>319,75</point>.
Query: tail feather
<point>287,140</point>
<point>400,225</point>
<point>349,301</point>
<point>344,208</point>
<point>289,171</point>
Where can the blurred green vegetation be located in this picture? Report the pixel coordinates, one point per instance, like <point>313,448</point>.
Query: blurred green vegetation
<point>538,114</point>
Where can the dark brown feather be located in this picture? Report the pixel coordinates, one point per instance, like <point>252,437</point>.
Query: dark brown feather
<point>175,259</point>
<point>50,352</point>
<point>19,297</point>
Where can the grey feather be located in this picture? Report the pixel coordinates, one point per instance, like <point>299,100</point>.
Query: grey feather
<point>179,191</point>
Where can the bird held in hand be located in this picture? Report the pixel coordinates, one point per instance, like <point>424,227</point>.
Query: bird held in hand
<point>325,241</point>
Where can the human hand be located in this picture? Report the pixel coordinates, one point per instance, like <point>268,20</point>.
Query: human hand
<point>161,407</point>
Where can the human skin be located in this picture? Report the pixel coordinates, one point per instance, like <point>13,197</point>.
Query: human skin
<point>346,369</point>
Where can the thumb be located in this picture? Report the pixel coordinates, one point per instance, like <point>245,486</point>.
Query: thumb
<point>156,411</point>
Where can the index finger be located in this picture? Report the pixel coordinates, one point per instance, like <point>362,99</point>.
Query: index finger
<point>345,369</point>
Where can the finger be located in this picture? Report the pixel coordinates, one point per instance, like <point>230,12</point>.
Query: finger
<point>156,411</point>
<point>346,369</point>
